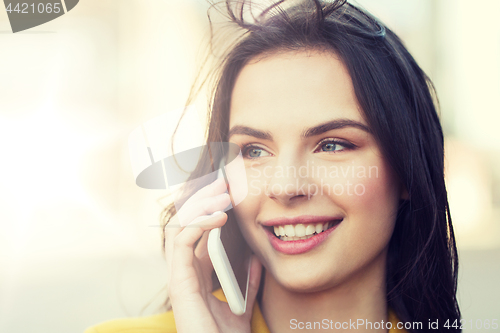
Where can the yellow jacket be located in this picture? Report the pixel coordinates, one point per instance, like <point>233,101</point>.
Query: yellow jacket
<point>165,323</point>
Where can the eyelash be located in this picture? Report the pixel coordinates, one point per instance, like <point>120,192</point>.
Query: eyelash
<point>346,146</point>
<point>248,147</point>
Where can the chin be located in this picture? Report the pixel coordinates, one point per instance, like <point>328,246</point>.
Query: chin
<point>303,281</point>
<point>303,286</point>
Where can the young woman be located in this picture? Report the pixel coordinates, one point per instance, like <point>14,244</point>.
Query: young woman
<point>364,231</point>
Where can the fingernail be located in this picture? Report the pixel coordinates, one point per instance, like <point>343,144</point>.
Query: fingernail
<point>204,218</point>
<point>222,196</point>
<point>198,220</point>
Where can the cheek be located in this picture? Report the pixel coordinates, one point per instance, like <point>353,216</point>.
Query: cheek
<point>381,193</point>
<point>366,184</point>
<point>375,193</point>
<point>373,214</point>
<point>246,211</point>
<point>369,196</point>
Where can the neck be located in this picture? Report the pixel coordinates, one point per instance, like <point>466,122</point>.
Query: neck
<point>360,297</point>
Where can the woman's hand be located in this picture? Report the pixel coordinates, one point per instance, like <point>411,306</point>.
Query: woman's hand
<point>190,270</point>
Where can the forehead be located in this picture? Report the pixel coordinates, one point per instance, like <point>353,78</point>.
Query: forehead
<point>293,88</point>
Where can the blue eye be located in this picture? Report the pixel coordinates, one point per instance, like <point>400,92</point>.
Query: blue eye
<point>334,146</point>
<point>329,146</point>
<point>254,152</point>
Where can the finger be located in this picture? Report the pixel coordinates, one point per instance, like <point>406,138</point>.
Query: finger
<point>253,284</point>
<point>216,187</point>
<point>201,253</point>
<point>198,202</point>
<point>211,221</point>
<point>182,258</point>
<point>190,234</point>
<point>202,207</point>
<point>186,213</point>
<point>205,222</point>
<point>201,248</point>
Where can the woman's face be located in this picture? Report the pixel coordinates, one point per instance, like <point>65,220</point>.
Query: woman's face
<point>322,200</point>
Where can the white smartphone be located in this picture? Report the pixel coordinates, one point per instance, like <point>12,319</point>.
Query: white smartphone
<point>232,268</point>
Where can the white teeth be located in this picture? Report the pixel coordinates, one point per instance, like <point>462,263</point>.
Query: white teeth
<point>285,238</point>
<point>289,230</point>
<point>310,229</point>
<point>300,230</point>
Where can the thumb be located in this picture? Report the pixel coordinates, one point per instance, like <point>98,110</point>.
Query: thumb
<point>253,284</point>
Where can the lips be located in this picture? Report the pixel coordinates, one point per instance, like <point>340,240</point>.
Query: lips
<point>300,234</point>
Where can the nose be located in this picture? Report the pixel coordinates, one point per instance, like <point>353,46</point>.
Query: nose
<point>290,181</point>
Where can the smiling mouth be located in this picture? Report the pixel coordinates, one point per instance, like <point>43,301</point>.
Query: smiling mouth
<point>295,232</point>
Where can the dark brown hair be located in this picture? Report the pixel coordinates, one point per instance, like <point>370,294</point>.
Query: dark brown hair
<point>398,101</point>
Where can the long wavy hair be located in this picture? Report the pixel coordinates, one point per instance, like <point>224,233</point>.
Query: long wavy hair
<point>399,103</point>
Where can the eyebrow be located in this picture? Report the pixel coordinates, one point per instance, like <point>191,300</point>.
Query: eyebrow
<point>332,125</point>
<point>312,131</point>
<point>245,130</point>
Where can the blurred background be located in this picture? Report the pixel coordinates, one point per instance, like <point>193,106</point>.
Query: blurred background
<point>79,242</point>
